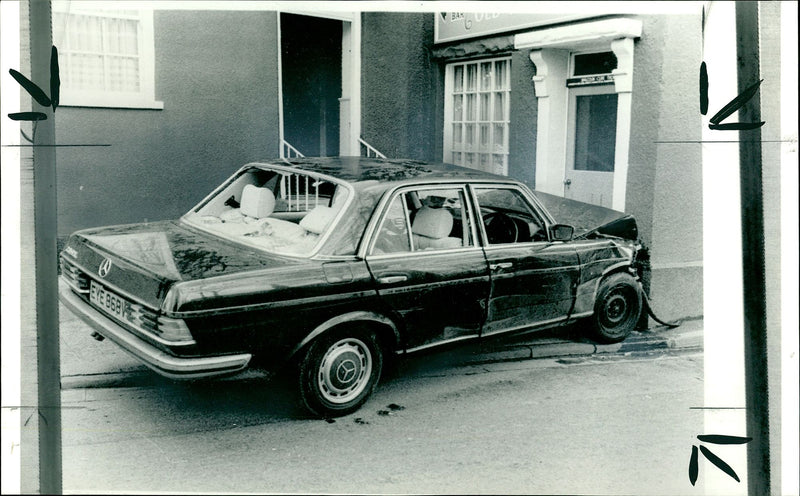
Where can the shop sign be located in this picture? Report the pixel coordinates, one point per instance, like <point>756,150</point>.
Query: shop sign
<point>452,26</point>
<point>587,80</point>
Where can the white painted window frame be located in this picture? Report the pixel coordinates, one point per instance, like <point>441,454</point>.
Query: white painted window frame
<point>145,97</point>
<point>551,53</point>
<point>448,110</point>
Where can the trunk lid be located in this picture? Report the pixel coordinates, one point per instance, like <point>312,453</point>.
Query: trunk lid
<point>142,261</point>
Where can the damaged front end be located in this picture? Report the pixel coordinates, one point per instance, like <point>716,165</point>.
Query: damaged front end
<point>594,222</point>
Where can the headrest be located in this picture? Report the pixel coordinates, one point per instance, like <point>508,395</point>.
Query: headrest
<point>318,219</point>
<point>257,202</point>
<point>432,222</point>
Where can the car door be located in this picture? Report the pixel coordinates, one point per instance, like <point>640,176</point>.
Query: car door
<point>533,279</point>
<point>428,267</point>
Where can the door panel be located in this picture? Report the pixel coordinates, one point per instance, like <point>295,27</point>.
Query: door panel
<point>532,284</point>
<point>427,266</point>
<point>533,280</point>
<point>439,296</point>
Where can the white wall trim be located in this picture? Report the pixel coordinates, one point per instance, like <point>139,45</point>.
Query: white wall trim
<point>550,49</point>
<point>623,74</point>
<point>355,85</point>
<point>551,118</point>
<point>574,36</point>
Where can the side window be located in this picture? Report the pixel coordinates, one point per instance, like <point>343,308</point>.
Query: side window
<point>508,217</point>
<point>393,234</point>
<point>438,220</point>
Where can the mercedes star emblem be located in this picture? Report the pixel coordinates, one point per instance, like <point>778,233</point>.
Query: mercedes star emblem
<point>105,268</point>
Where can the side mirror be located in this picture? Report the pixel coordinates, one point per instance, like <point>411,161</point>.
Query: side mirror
<point>561,232</point>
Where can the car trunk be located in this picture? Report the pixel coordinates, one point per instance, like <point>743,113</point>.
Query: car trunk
<point>142,261</point>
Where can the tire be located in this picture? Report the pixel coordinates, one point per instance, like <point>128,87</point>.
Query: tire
<point>617,308</point>
<point>339,372</point>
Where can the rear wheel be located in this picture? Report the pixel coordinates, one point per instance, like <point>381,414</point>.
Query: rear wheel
<point>339,372</point>
<point>617,308</point>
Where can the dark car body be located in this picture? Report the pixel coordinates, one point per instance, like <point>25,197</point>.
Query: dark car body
<point>200,296</point>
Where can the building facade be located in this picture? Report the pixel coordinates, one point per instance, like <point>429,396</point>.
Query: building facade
<point>593,106</point>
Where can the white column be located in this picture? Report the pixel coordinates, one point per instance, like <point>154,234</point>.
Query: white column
<point>623,84</point>
<point>551,120</point>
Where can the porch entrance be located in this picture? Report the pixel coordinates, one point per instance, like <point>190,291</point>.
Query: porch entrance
<point>311,65</point>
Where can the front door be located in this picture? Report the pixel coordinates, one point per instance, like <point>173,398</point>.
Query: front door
<point>533,280</point>
<point>591,144</point>
<point>428,268</point>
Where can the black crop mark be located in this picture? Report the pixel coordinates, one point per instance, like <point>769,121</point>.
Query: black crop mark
<point>737,103</point>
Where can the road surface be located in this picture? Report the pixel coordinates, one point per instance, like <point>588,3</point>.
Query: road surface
<point>592,425</point>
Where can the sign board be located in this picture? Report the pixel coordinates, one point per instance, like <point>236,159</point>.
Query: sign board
<point>587,80</point>
<point>451,26</point>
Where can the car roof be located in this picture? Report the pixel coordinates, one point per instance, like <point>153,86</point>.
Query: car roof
<point>390,172</point>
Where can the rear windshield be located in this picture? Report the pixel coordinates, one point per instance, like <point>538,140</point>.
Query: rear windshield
<point>279,211</point>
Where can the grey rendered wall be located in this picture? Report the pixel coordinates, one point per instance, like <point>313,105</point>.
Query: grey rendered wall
<point>400,86</point>
<point>216,73</point>
<point>664,189</point>
<point>522,128</point>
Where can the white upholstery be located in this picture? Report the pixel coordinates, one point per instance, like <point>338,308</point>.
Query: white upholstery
<point>231,215</point>
<point>432,222</point>
<point>318,219</point>
<point>431,228</point>
<point>283,229</point>
<point>257,202</point>
<point>425,243</point>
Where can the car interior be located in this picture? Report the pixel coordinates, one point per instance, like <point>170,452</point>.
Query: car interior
<point>278,212</point>
<point>507,218</point>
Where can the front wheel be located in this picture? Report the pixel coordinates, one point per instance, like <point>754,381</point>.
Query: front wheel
<point>339,372</point>
<point>617,308</point>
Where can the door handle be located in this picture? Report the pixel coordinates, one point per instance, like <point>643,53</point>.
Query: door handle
<point>567,182</point>
<point>392,279</point>
<point>501,265</point>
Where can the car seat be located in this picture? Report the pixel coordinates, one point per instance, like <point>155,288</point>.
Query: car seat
<point>431,229</point>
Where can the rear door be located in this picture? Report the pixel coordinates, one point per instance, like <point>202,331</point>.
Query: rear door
<point>428,267</point>
<point>533,279</point>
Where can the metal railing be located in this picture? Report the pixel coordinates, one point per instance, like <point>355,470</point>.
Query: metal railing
<point>369,151</point>
<point>301,192</point>
<point>288,151</point>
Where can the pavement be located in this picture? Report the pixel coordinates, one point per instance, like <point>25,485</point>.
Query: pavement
<point>88,363</point>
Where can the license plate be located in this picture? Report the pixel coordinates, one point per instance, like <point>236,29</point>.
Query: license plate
<point>108,301</point>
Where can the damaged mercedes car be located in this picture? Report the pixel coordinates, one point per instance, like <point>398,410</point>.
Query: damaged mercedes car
<point>324,266</point>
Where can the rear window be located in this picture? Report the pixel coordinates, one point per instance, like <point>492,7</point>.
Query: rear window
<point>279,211</point>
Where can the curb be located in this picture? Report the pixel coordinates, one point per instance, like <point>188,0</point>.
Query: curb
<point>649,341</point>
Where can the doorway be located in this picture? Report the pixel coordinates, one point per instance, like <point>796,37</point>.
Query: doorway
<point>311,66</point>
<point>591,144</point>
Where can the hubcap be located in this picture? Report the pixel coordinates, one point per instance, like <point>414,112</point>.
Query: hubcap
<point>345,370</point>
<point>616,308</point>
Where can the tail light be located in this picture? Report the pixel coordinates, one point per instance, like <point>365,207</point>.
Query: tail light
<point>174,330</point>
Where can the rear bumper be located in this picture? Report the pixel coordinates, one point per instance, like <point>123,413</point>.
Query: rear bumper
<point>161,362</point>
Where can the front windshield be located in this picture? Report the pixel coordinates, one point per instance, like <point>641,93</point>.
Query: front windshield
<point>277,210</point>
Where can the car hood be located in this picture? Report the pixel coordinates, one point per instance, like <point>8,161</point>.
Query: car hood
<point>589,220</point>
